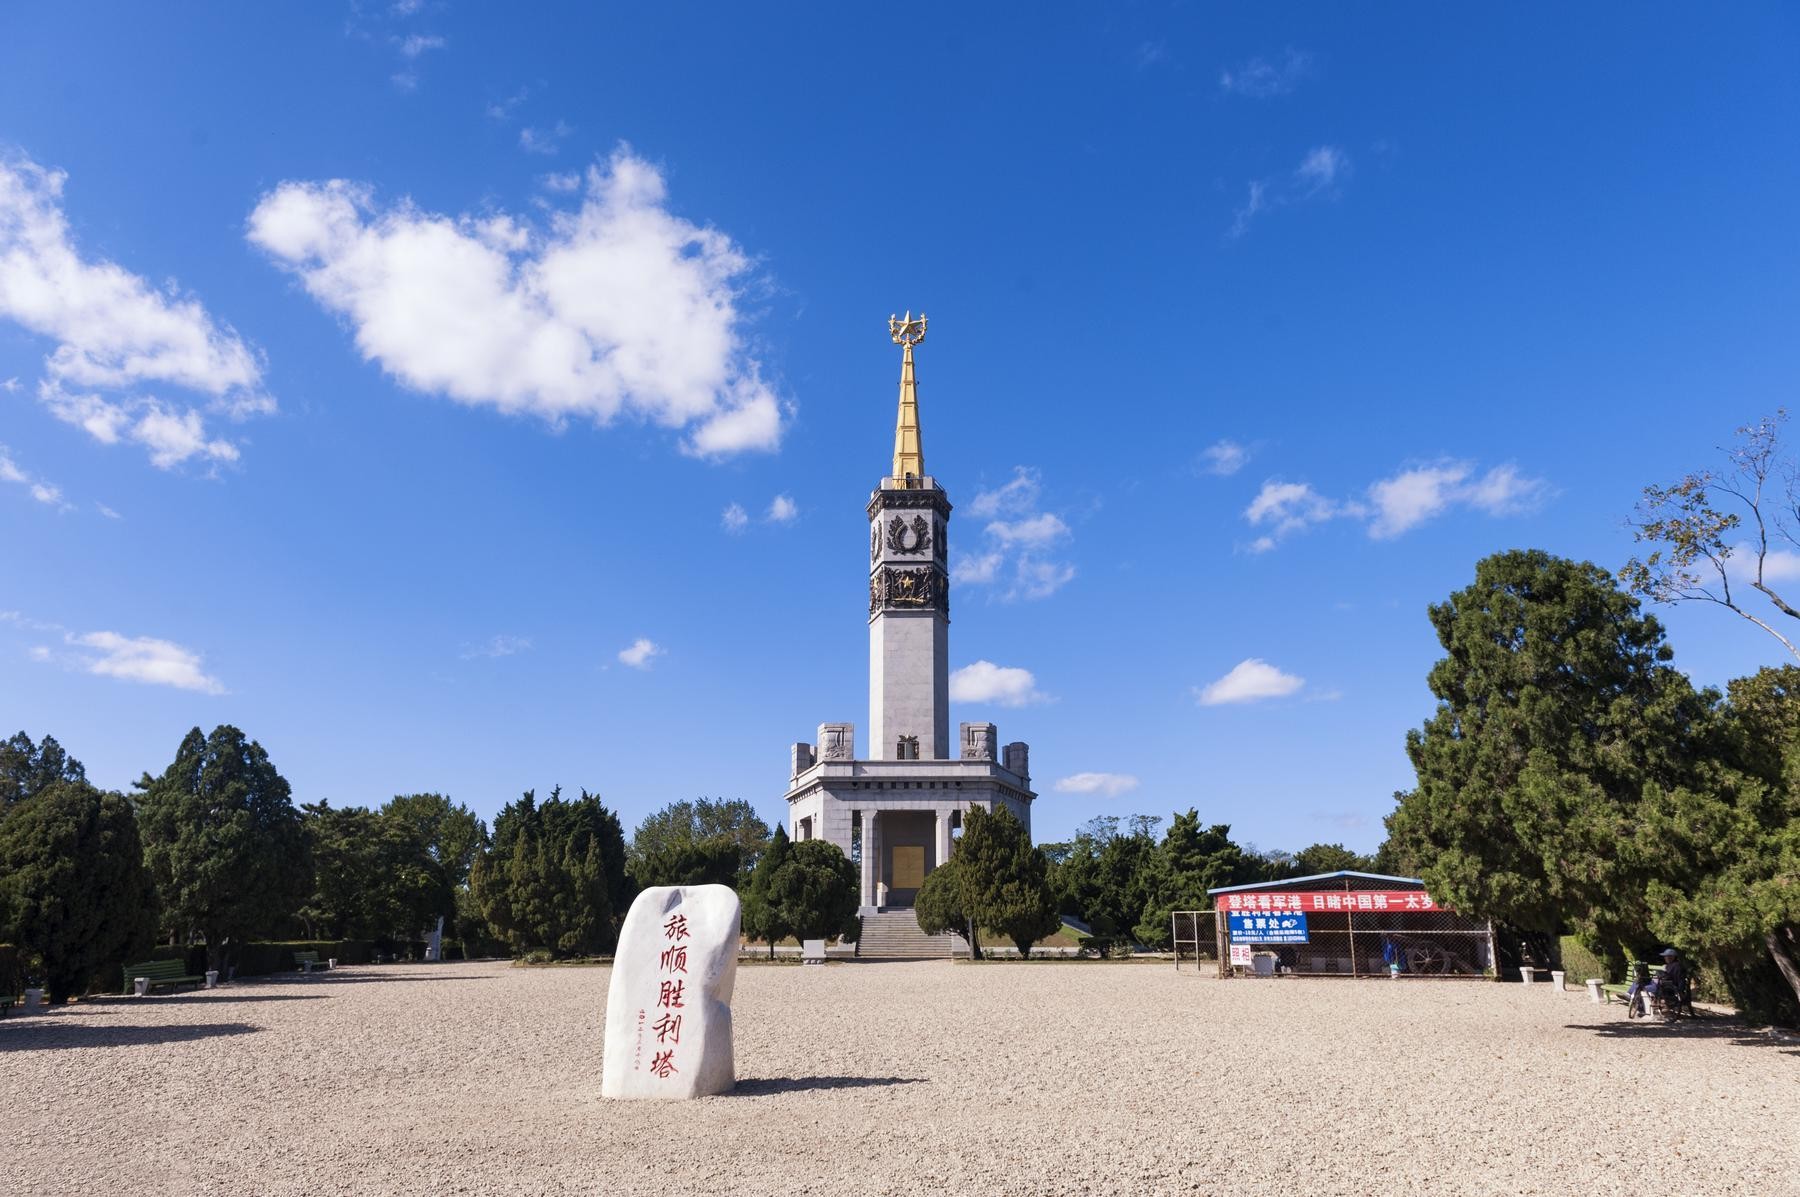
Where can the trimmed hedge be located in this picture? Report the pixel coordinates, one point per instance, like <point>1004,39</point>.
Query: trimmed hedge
<point>1579,964</point>
<point>259,959</point>
<point>12,976</point>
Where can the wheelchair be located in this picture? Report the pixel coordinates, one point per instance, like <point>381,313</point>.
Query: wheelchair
<point>1664,1001</point>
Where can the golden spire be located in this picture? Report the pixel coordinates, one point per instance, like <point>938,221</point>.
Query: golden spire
<point>909,450</point>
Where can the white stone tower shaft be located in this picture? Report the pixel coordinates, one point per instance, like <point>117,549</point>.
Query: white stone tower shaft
<point>909,596</point>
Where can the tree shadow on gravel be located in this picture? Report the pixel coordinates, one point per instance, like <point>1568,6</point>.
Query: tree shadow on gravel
<point>1733,1032</point>
<point>328,979</point>
<point>226,995</point>
<point>755,1086</point>
<point>53,1033</point>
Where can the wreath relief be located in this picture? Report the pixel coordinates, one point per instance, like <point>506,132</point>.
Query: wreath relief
<point>909,539</point>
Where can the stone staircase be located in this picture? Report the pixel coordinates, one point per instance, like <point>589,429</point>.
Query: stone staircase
<point>895,935</point>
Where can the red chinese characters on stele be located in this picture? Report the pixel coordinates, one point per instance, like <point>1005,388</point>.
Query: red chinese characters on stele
<point>1368,901</point>
<point>670,996</point>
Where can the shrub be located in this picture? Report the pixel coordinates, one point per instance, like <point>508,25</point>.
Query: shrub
<point>1579,964</point>
<point>259,959</point>
<point>12,975</point>
<point>537,956</point>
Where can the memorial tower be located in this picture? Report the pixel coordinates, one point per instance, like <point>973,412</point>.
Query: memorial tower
<point>896,809</point>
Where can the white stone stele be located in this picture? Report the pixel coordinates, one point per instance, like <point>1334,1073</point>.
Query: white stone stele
<point>668,1010</point>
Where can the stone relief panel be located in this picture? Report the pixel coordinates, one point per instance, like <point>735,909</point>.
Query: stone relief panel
<point>837,741</point>
<point>913,588</point>
<point>978,740</point>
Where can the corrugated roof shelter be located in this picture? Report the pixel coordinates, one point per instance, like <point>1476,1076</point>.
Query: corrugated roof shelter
<point>1345,924</point>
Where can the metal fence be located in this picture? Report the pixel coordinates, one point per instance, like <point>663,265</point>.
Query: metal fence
<point>1431,943</point>
<point>1196,937</point>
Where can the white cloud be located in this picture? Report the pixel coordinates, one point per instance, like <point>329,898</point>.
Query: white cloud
<point>415,44</point>
<point>640,653</point>
<point>1413,496</point>
<point>1224,458</point>
<point>544,141</point>
<point>735,519</point>
<point>1018,496</point>
<point>977,570</point>
<point>782,509</point>
<point>43,492</point>
<point>619,308</point>
<point>1251,680</point>
<point>112,331</point>
<point>567,183</point>
<point>496,647</point>
<point>1110,785</point>
<point>145,659</point>
<point>1018,541</point>
<point>501,110</point>
<point>1317,176</point>
<point>1290,506</point>
<point>1260,79</point>
<point>1001,685</point>
<point>1035,579</point>
<point>1254,191</point>
<point>1322,168</point>
<point>108,512</point>
<point>1035,530</point>
<point>1395,505</point>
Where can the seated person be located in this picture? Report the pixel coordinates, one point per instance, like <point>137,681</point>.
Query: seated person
<point>1671,984</point>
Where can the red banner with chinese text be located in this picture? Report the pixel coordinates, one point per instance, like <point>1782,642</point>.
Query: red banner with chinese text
<point>1367,901</point>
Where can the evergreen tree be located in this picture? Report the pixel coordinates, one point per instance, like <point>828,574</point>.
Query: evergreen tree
<point>223,840</point>
<point>1557,706</point>
<point>761,912</point>
<point>25,768</point>
<point>941,905</point>
<point>815,892</point>
<point>1189,861</point>
<point>1724,852</point>
<point>554,877</point>
<point>1003,878</point>
<point>1330,858</point>
<point>79,894</point>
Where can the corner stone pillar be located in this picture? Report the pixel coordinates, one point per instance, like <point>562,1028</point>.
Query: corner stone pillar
<point>870,854</point>
<point>943,837</point>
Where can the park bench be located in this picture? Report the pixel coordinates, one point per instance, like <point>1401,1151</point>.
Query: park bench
<point>6,1004</point>
<point>307,961</point>
<point>159,973</point>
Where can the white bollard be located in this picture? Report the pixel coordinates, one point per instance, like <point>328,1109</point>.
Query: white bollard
<point>212,978</point>
<point>331,962</point>
<point>140,985</point>
<point>1556,980</point>
<point>1596,994</point>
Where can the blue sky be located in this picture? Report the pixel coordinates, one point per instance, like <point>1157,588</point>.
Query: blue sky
<point>470,400</point>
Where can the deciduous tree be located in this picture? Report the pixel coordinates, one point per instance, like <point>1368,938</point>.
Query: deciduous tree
<point>1718,532</point>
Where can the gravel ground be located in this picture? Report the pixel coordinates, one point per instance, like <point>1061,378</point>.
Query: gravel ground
<point>898,1079</point>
